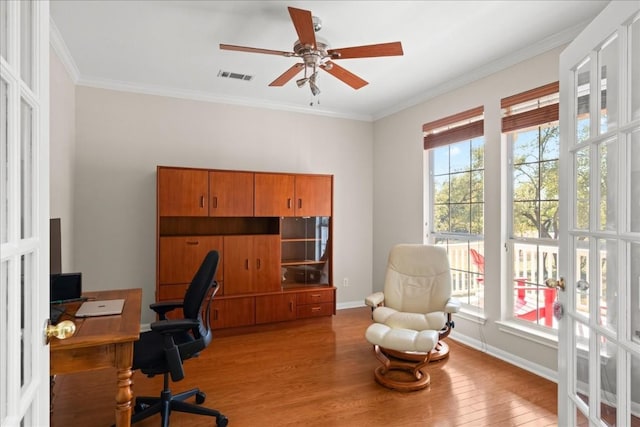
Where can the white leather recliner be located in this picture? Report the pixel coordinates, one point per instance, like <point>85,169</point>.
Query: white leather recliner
<point>412,315</point>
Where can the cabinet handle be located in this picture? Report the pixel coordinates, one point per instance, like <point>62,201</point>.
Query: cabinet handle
<point>289,203</point>
<point>315,295</point>
<point>299,203</point>
<point>246,264</point>
<point>193,242</point>
<point>291,306</point>
<point>202,201</point>
<point>316,308</point>
<point>215,314</point>
<point>258,263</point>
<point>215,202</point>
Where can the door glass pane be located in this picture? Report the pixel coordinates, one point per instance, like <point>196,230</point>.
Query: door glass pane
<point>634,60</point>
<point>4,299</point>
<point>27,283</point>
<point>582,279</point>
<point>582,189</point>
<point>4,163</point>
<point>581,419</point>
<point>581,363</point>
<point>4,29</point>
<point>608,306</point>
<point>26,42</point>
<point>608,381</point>
<point>634,182</point>
<point>608,61</point>
<point>26,170</point>
<point>634,291</point>
<point>634,420</point>
<point>583,90</point>
<point>608,161</point>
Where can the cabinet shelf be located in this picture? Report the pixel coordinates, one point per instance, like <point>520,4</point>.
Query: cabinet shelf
<point>302,262</point>
<point>301,240</point>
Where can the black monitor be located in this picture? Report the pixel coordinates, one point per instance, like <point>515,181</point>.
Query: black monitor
<point>64,287</point>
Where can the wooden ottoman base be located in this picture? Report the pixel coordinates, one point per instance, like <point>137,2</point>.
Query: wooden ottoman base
<point>411,377</point>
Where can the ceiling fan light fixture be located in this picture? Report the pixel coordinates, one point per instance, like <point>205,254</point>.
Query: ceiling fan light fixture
<point>301,82</point>
<point>315,90</point>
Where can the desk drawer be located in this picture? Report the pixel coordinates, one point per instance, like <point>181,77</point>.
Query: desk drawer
<point>315,296</point>
<point>314,310</point>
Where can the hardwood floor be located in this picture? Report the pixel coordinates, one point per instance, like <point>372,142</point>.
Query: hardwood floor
<point>319,372</point>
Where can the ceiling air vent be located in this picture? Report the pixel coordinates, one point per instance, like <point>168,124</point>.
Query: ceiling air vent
<point>237,76</point>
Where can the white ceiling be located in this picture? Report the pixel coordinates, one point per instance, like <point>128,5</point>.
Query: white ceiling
<point>171,47</point>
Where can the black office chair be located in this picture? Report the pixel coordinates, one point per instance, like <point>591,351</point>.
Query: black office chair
<point>169,342</point>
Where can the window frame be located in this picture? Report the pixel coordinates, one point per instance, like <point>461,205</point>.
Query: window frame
<point>465,126</point>
<point>516,120</point>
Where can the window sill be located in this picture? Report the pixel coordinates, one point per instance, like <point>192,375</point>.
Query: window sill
<point>472,315</point>
<point>548,339</point>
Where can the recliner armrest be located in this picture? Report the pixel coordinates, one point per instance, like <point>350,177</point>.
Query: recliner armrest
<point>172,326</point>
<point>163,307</point>
<point>374,300</point>
<point>453,306</point>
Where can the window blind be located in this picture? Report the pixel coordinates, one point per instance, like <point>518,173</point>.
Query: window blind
<point>458,127</point>
<point>531,108</point>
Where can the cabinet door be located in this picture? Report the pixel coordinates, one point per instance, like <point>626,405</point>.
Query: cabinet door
<point>275,308</point>
<point>230,193</point>
<point>266,251</point>
<point>313,195</point>
<point>181,256</point>
<point>251,264</point>
<point>239,264</point>
<point>183,192</point>
<point>233,312</point>
<point>274,194</point>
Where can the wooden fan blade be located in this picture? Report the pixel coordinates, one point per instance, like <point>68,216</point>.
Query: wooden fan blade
<point>303,21</point>
<point>287,75</point>
<point>369,51</point>
<point>346,76</point>
<point>255,50</point>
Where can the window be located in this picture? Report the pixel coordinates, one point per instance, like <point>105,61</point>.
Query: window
<point>455,154</point>
<point>530,124</point>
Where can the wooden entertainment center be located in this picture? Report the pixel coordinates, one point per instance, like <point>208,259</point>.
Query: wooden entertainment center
<point>273,232</point>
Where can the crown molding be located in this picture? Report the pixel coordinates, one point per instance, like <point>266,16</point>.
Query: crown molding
<point>61,49</point>
<point>559,39</point>
<point>146,89</point>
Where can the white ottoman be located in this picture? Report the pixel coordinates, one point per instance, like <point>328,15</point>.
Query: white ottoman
<point>402,350</point>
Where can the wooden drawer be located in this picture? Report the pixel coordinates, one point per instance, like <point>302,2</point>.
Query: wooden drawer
<point>314,310</point>
<point>315,296</point>
<point>181,256</point>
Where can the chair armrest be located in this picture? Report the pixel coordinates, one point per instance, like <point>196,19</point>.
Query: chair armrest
<point>374,300</point>
<point>163,307</point>
<point>453,306</point>
<point>170,327</point>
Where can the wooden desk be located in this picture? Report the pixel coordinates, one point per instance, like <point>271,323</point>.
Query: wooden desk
<point>102,342</point>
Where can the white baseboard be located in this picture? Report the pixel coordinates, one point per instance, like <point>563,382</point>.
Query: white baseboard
<point>349,304</point>
<point>525,364</point>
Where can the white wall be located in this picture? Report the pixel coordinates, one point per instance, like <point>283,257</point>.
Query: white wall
<point>399,180</point>
<point>121,138</point>
<point>62,155</point>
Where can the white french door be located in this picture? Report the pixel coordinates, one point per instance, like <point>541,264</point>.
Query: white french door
<point>599,335</point>
<point>24,212</point>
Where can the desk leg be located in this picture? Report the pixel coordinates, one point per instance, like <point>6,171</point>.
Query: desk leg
<point>124,395</point>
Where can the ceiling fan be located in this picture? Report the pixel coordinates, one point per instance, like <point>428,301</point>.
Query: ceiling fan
<point>315,53</point>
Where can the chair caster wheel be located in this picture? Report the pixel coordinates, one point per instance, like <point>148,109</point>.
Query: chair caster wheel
<point>200,397</point>
<point>139,407</point>
<point>221,421</point>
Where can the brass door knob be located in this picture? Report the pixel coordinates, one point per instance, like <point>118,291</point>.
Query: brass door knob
<point>554,283</point>
<point>62,330</point>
